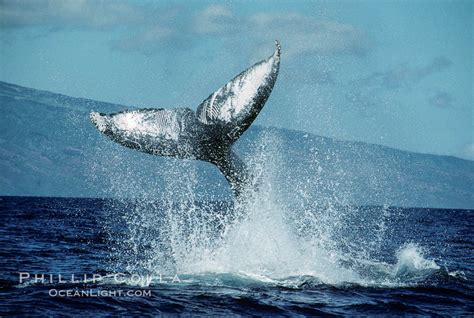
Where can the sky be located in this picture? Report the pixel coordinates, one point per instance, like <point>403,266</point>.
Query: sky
<point>395,73</point>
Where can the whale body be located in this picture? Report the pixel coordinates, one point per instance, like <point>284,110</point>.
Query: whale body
<point>207,134</point>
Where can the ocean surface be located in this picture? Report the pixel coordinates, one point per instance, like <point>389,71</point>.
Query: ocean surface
<point>181,257</point>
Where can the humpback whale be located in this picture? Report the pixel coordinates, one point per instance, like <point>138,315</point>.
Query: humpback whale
<point>207,134</point>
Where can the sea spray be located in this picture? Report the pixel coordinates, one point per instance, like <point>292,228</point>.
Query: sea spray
<point>275,235</point>
<point>411,261</point>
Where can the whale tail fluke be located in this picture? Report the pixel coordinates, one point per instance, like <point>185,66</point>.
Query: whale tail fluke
<point>208,133</point>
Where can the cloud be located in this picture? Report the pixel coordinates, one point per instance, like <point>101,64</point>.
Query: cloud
<point>406,75</point>
<point>146,42</point>
<point>441,100</point>
<point>214,19</point>
<point>148,26</point>
<point>304,34</point>
<point>69,13</point>
<point>300,34</point>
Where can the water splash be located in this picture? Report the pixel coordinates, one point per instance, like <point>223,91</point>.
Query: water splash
<point>410,261</point>
<point>279,235</point>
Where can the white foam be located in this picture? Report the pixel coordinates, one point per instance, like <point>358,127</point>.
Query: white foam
<point>410,260</point>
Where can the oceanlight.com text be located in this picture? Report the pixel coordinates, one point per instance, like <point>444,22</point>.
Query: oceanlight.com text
<point>99,293</point>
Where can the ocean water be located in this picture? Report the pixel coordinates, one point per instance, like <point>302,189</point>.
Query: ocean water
<point>289,247</point>
<point>184,257</point>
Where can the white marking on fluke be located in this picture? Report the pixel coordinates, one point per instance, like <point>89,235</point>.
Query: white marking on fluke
<point>99,121</point>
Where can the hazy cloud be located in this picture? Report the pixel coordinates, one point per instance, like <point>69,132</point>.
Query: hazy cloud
<point>305,34</point>
<point>215,19</point>
<point>300,34</point>
<point>406,75</point>
<point>148,27</point>
<point>69,13</point>
<point>147,41</point>
<point>441,100</point>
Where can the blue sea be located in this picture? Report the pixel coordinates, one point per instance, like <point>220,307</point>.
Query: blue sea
<point>104,257</point>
